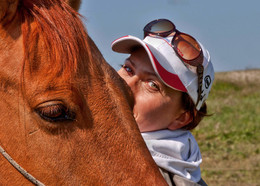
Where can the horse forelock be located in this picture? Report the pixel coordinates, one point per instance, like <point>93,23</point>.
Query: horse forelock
<point>62,34</point>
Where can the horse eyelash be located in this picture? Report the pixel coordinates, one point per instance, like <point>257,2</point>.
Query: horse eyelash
<point>66,114</point>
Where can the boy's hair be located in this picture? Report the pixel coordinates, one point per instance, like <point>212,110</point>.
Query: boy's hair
<point>189,106</point>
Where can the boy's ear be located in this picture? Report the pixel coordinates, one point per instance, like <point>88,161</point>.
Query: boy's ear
<point>184,119</point>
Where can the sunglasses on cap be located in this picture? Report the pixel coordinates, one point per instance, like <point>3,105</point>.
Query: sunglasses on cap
<point>184,45</point>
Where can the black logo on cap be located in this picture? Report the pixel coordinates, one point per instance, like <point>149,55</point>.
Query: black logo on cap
<point>207,81</point>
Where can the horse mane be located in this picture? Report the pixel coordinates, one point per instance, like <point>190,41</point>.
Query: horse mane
<point>60,27</point>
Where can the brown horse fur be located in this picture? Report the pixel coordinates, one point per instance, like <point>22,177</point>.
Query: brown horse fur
<point>66,116</point>
<point>74,4</point>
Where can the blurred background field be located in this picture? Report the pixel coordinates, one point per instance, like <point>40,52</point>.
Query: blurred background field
<point>229,139</point>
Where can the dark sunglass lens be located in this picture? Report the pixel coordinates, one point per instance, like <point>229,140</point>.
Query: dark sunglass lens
<point>162,26</point>
<point>187,47</point>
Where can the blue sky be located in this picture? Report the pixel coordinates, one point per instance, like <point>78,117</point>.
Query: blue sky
<point>229,29</point>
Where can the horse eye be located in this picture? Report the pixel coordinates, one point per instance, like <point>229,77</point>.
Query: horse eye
<point>55,113</point>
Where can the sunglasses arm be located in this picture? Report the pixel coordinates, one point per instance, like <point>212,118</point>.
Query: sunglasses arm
<point>200,71</point>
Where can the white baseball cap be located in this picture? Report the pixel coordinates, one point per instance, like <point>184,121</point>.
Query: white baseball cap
<point>169,67</point>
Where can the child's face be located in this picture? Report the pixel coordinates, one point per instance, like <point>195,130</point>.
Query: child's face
<point>156,105</point>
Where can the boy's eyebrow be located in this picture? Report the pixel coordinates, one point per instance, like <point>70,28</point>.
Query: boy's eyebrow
<point>132,63</point>
<point>151,74</point>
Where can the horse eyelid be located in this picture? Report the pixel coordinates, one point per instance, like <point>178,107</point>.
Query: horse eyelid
<point>55,113</point>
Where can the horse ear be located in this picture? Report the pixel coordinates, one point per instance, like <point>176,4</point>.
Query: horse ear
<point>7,10</point>
<point>74,4</point>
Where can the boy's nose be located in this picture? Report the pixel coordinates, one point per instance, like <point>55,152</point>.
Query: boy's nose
<point>133,83</point>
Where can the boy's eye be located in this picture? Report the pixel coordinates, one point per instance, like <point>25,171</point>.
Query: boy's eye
<point>127,69</point>
<point>153,85</point>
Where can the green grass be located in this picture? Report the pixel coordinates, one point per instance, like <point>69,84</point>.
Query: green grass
<point>229,139</point>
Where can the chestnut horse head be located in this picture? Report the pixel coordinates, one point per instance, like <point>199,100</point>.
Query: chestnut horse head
<point>66,116</point>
